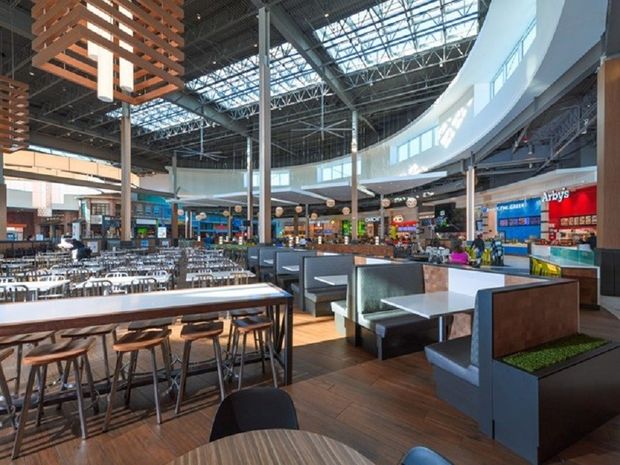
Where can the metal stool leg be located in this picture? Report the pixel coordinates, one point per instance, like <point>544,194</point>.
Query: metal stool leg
<point>184,368</point>
<point>106,361</point>
<point>94,395</point>
<point>18,374</point>
<point>133,361</point>
<point>155,390</point>
<point>245,338</point>
<point>112,395</point>
<point>261,349</point>
<point>42,380</point>
<point>218,360</point>
<point>80,398</point>
<point>269,336</point>
<point>23,418</point>
<point>233,357</point>
<point>6,393</point>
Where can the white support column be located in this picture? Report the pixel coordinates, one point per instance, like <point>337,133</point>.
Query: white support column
<point>126,172</point>
<point>354,176</point>
<point>470,187</point>
<point>250,200</point>
<point>229,218</point>
<point>307,222</point>
<point>264,127</point>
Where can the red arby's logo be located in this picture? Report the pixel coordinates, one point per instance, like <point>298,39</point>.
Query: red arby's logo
<point>556,195</point>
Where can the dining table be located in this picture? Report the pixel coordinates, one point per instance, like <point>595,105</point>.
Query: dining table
<point>37,286</point>
<point>123,281</point>
<point>273,447</point>
<point>434,305</point>
<point>219,275</point>
<point>29,317</point>
<point>334,280</point>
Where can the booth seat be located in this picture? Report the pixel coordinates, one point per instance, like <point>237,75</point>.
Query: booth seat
<point>377,327</point>
<point>285,278</point>
<point>313,296</point>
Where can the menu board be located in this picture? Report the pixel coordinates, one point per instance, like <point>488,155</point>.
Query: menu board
<point>575,221</point>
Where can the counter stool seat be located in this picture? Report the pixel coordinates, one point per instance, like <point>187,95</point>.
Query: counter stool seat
<point>194,332</point>
<point>101,331</point>
<point>156,323</point>
<point>38,359</point>
<point>88,331</point>
<point>247,325</point>
<point>132,342</point>
<point>243,312</point>
<point>199,318</point>
<point>19,341</point>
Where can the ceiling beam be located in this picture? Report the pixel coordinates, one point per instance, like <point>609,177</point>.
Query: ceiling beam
<point>310,48</point>
<point>16,21</point>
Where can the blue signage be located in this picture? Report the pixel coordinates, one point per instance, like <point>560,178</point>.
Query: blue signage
<point>519,220</point>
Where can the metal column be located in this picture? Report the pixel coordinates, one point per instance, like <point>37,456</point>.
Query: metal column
<point>354,177</point>
<point>264,128</point>
<point>382,222</point>
<point>307,222</point>
<point>470,186</point>
<point>250,206</point>
<point>174,222</point>
<point>126,172</point>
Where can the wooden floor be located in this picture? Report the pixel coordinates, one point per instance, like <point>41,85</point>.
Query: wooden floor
<point>379,408</point>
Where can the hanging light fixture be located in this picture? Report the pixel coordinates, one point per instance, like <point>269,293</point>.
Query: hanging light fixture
<point>330,203</point>
<point>136,46</point>
<point>238,208</point>
<point>346,211</point>
<point>299,209</point>
<point>385,203</point>
<point>279,211</point>
<point>411,202</point>
<point>14,115</point>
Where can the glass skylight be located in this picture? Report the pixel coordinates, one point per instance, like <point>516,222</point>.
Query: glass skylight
<point>395,29</point>
<point>391,30</point>
<point>157,115</point>
<point>236,85</point>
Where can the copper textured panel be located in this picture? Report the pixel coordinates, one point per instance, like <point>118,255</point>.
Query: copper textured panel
<point>435,278</point>
<point>525,318</point>
<point>13,115</point>
<point>514,280</point>
<point>62,34</point>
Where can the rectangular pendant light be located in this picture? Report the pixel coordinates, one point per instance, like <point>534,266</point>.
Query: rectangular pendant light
<point>127,50</point>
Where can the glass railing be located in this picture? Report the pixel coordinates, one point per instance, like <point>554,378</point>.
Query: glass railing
<point>585,257</point>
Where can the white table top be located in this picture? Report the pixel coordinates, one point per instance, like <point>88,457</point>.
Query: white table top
<point>334,280</point>
<point>19,318</point>
<point>221,274</point>
<point>433,304</point>
<point>268,261</point>
<point>292,268</point>
<point>40,286</point>
<point>126,280</point>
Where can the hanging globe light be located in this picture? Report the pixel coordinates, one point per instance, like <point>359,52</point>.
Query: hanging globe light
<point>238,208</point>
<point>226,213</point>
<point>180,212</point>
<point>202,215</point>
<point>330,203</point>
<point>346,211</point>
<point>299,209</point>
<point>385,203</point>
<point>279,211</point>
<point>411,202</point>
<point>314,216</point>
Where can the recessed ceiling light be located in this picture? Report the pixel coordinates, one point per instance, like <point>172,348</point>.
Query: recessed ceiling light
<point>31,73</point>
<point>198,17</point>
<point>326,15</point>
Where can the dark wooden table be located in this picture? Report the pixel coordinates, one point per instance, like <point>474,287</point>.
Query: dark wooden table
<point>274,447</point>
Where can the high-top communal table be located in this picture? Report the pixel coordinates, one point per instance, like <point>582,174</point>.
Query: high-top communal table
<point>273,446</point>
<point>30,317</point>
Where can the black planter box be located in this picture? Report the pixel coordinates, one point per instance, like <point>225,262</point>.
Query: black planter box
<point>537,415</point>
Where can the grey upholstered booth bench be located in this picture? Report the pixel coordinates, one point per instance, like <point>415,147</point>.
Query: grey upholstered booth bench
<point>378,328</point>
<point>313,296</point>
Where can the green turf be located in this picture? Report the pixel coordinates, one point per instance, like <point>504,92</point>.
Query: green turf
<point>553,352</point>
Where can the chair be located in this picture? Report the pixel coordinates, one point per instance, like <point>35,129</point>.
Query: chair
<point>424,456</point>
<point>117,274</point>
<point>132,343</point>
<point>203,280</point>
<point>142,285</point>
<point>262,328</point>
<point>194,332</point>
<point>254,409</point>
<point>38,359</point>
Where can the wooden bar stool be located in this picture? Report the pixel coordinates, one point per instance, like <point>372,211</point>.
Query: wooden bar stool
<point>241,313</point>
<point>194,332</point>
<point>132,343</point>
<point>263,328</point>
<point>38,359</point>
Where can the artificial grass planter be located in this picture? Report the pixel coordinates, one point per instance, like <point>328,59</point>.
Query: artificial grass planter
<point>553,352</point>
